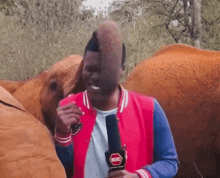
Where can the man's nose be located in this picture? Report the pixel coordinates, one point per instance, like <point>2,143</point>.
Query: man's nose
<point>96,76</point>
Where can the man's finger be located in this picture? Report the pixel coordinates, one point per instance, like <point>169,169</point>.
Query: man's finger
<point>73,111</point>
<point>69,109</point>
<point>73,115</point>
<point>68,106</point>
<point>116,174</point>
<point>71,121</point>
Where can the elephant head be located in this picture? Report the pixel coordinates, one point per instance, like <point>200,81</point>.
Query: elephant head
<point>40,96</point>
<point>58,85</point>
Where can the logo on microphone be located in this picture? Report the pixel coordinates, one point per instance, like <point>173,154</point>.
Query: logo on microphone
<point>115,159</point>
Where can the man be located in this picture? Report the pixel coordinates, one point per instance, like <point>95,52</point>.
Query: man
<point>144,130</point>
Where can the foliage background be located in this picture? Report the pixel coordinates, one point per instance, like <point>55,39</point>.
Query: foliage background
<point>34,34</point>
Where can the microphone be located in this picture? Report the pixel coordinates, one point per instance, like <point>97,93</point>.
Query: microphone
<point>115,156</point>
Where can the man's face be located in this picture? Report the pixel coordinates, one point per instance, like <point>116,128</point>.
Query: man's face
<point>93,79</point>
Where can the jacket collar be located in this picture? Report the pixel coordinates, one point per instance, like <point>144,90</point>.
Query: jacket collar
<point>123,101</point>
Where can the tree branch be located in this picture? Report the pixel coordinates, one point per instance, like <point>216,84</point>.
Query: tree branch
<point>215,20</point>
<point>186,21</point>
<point>170,14</point>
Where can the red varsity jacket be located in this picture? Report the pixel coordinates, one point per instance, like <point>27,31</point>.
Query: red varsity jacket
<point>135,123</point>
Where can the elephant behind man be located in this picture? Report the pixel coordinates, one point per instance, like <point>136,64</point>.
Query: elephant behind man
<point>186,82</point>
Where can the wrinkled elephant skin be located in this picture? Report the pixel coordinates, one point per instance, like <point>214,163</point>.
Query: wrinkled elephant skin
<point>185,81</point>
<point>26,148</point>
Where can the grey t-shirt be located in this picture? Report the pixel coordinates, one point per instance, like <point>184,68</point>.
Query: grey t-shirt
<point>96,166</point>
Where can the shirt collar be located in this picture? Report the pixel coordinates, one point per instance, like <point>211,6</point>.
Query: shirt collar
<point>123,101</point>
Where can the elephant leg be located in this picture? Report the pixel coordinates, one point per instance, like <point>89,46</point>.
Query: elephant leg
<point>218,165</point>
<point>208,164</point>
<point>188,170</point>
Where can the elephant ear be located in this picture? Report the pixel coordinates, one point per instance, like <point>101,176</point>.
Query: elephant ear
<point>75,84</point>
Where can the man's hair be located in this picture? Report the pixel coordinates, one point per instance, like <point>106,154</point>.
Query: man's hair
<point>93,45</point>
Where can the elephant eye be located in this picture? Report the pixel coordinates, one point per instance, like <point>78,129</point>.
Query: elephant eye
<point>53,86</point>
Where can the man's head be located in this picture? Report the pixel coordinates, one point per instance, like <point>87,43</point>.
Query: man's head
<point>104,60</point>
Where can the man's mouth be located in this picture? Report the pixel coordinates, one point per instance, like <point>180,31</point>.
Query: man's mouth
<point>95,87</point>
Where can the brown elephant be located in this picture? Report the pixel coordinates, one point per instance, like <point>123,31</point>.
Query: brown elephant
<point>26,148</point>
<point>186,82</point>
<point>29,94</point>
<point>10,85</point>
<point>56,86</point>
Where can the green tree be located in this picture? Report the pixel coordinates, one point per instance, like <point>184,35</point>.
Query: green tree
<point>41,32</point>
<point>6,6</point>
<point>193,22</point>
<point>211,24</point>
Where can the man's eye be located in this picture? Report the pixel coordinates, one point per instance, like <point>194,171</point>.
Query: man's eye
<point>92,69</point>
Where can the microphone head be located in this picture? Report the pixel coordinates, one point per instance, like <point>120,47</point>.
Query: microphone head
<point>113,133</point>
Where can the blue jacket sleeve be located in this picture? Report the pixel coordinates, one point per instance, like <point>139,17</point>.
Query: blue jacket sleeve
<point>165,164</point>
<point>65,154</point>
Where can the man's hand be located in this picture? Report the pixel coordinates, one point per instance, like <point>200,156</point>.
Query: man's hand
<point>66,116</point>
<point>122,174</point>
